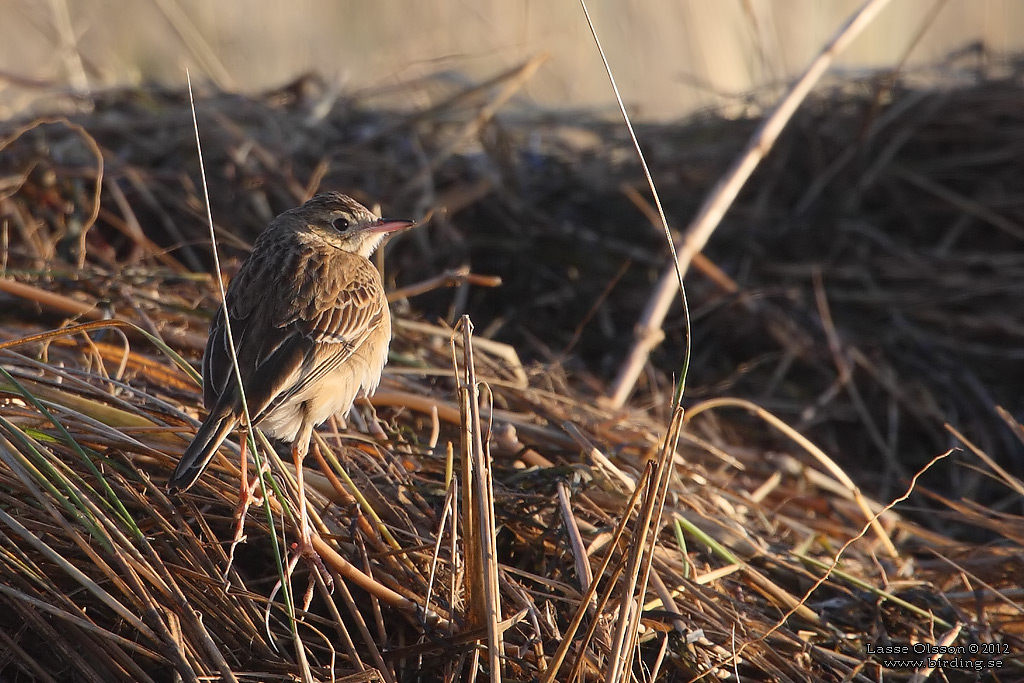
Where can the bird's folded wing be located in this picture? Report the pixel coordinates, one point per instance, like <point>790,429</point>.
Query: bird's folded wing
<point>320,359</point>
<point>294,336</point>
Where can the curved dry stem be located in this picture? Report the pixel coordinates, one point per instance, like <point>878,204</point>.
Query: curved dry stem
<point>813,450</point>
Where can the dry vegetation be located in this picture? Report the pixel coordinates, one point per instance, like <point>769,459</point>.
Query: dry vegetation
<point>863,289</point>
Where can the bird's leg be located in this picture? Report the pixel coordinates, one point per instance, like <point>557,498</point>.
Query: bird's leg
<point>299,450</point>
<point>257,481</point>
<point>246,497</point>
<point>304,546</point>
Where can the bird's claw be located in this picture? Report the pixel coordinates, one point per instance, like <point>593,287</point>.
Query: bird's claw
<point>304,549</point>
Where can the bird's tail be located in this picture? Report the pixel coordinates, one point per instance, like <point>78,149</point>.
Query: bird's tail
<point>199,453</point>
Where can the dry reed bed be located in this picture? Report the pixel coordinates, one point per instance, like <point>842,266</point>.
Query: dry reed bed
<point>105,578</point>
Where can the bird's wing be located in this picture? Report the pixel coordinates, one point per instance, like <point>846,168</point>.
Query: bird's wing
<point>292,331</point>
<point>335,316</point>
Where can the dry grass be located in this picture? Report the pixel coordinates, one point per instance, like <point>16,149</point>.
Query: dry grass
<point>871,278</point>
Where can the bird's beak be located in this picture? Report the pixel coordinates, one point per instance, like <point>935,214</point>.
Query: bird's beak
<point>389,225</point>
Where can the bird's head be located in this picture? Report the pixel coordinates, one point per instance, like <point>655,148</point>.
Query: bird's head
<point>344,223</point>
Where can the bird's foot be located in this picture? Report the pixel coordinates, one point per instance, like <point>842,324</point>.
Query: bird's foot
<point>304,549</point>
<point>246,498</point>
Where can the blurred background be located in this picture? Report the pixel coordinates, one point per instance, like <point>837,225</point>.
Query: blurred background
<point>670,56</point>
<point>886,221</point>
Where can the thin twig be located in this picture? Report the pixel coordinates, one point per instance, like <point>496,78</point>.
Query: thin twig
<point>675,269</point>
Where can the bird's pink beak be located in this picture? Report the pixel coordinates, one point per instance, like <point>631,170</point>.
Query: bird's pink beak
<point>389,225</point>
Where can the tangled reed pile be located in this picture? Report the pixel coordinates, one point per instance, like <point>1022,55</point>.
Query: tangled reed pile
<point>859,304</point>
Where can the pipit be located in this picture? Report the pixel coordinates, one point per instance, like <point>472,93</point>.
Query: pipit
<point>311,329</point>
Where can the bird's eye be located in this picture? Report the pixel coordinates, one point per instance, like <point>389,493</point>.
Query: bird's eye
<point>341,224</point>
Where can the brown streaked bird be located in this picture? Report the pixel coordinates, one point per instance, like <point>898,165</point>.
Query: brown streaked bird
<point>311,329</point>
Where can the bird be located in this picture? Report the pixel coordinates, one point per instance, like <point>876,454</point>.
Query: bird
<point>311,328</point>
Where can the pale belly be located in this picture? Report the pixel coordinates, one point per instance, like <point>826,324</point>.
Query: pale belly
<point>357,376</point>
